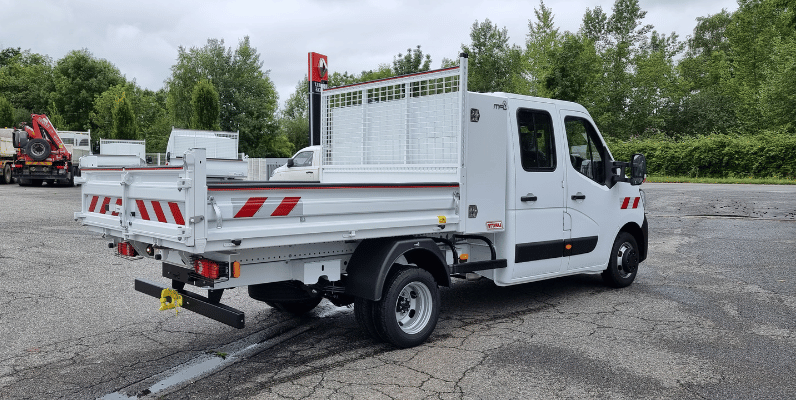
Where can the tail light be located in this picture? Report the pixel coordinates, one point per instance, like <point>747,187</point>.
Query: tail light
<point>126,249</point>
<point>206,268</point>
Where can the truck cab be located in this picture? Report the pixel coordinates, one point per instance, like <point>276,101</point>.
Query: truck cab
<point>303,166</point>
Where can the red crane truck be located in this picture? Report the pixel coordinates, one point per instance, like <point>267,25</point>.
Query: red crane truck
<point>42,155</point>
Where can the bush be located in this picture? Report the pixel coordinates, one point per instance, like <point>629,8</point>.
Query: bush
<point>769,154</point>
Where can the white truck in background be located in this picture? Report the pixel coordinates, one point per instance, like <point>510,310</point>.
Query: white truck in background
<point>304,166</point>
<point>419,181</point>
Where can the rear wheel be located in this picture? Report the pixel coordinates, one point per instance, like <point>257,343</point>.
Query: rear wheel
<point>623,263</point>
<point>7,174</point>
<point>409,308</point>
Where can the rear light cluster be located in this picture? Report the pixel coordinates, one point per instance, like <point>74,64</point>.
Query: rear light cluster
<point>126,249</point>
<point>206,268</point>
<point>212,270</point>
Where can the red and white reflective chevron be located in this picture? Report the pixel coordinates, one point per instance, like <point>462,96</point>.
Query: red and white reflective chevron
<point>265,207</point>
<point>149,210</point>
<point>161,211</point>
<point>102,207</point>
<point>626,202</point>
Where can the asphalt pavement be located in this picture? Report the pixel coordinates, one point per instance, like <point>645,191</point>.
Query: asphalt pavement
<point>710,316</point>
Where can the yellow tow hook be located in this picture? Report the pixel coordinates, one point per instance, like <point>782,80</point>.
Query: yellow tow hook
<point>170,298</point>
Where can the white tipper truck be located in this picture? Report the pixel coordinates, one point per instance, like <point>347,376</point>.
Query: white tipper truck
<point>420,181</point>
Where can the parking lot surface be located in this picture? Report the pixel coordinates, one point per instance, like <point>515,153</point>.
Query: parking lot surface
<point>711,315</point>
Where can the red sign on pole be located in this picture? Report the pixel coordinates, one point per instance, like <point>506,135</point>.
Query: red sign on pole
<point>319,70</point>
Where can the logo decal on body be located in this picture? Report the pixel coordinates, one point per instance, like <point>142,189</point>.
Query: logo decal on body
<point>494,225</point>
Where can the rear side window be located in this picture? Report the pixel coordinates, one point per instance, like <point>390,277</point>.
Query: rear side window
<point>585,149</point>
<point>537,148</point>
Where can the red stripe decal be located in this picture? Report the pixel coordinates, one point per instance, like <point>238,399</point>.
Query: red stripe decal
<point>251,207</point>
<point>625,203</point>
<point>142,209</point>
<point>635,202</point>
<point>93,204</point>
<point>223,189</point>
<point>105,202</point>
<point>286,206</point>
<point>118,203</point>
<point>158,211</point>
<point>175,211</point>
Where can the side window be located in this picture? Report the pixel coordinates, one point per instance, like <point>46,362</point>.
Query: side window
<point>537,148</point>
<point>585,149</point>
<point>303,159</point>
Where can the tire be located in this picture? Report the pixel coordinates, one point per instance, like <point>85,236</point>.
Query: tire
<point>38,149</point>
<point>623,262</point>
<point>363,313</point>
<point>7,174</point>
<point>409,308</point>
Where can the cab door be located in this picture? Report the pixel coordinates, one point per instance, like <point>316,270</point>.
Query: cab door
<point>538,202</point>
<point>589,214</point>
<point>305,166</point>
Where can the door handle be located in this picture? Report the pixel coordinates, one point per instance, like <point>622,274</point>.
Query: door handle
<point>579,196</point>
<point>309,172</point>
<point>529,197</point>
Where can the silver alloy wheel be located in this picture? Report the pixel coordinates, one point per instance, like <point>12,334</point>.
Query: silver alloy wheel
<point>413,308</point>
<point>626,260</point>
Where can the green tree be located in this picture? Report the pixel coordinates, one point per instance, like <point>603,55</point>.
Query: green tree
<point>248,99</point>
<point>494,65</point>
<point>413,61</point>
<point>573,71</point>
<point>294,117</point>
<point>205,106</point>
<point>759,31</point>
<point>26,80</point>
<point>542,41</point>
<point>79,78</point>
<point>6,113</point>
<point>124,120</point>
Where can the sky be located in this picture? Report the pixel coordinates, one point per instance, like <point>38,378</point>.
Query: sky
<point>142,37</point>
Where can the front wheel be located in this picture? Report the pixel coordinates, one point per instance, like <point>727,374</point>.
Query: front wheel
<point>409,308</point>
<point>7,174</point>
<point>623,262</point>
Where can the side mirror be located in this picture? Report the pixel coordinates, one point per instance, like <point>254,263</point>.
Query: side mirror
<point>617,171</point>
<point>290,163</point>
<point>149,159</point>
<point>638,169</point>
<point>20,139</point>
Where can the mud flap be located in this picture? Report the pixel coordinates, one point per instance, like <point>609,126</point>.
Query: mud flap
<point>196,303</point>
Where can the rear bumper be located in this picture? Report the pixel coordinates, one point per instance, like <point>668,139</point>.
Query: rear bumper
<point>198,304</point>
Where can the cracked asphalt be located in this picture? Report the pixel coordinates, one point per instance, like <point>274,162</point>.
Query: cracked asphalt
<point>710,316</point>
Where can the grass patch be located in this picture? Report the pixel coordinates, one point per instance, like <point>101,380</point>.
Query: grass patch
<point>750,181</point>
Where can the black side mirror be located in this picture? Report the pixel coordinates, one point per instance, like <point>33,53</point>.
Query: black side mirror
<point>617,171</point>
<point>290,163</point>
<point>149,159</point>
<point>638,169</point>
<point>20,139</point>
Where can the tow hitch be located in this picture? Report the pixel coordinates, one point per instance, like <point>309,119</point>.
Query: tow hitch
<point>193,302</point>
